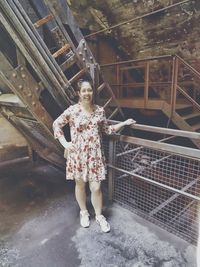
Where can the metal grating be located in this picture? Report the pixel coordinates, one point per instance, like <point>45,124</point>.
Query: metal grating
<point>172,170</point>
<point>161,186</point>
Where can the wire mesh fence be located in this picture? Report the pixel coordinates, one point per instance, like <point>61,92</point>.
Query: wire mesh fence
<point>162,186</point>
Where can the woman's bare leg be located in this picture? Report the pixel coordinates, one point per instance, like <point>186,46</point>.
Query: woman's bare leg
<point>96,196</point>
<point>80,194</point>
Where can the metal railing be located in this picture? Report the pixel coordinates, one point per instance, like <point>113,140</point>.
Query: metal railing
<point>167,77</point>
<point>159,181</point>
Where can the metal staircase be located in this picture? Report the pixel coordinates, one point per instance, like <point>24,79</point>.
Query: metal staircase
<point>50,55</point>
<point>175,92</point>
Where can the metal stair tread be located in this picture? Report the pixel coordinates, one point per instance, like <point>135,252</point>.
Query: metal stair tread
<point>191,115</point>
<point>183,105</point>
<point>196,127</point>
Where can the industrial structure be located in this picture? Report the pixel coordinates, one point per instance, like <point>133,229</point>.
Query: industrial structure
<point>47,53</point>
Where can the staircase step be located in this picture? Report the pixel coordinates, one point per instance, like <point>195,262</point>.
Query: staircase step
<point>196,127</point>
<point>77,75</point>
<point>183,106</point>
<point>43,21</point>
<point>68,63</point>
<point>61,50</point>
<point>191,115</point>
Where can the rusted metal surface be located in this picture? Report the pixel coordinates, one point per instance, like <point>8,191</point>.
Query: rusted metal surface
<point>43,21</point>
<point>174,85</point>
<point>23,85</point>
<point>38,138</point>
<point>63,49</point>
<point>146,86</point>
<point>172,90</point>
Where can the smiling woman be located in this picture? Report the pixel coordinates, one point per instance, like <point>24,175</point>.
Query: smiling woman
<point>85,156</point>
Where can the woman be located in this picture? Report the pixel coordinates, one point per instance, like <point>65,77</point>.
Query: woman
<point>85,158</point>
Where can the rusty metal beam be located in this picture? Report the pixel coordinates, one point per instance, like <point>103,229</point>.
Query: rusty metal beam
<point>32,55</point>
<point>43,21</point>
<point>27,95</point>
<point>146,84</point>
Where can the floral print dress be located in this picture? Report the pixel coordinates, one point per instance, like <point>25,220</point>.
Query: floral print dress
<point>86,161</point>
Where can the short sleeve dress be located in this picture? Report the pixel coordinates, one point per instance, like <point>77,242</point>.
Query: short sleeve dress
<point>86,161</point>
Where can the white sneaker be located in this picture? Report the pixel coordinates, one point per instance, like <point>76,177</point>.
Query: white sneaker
<point>84,218</point>
<point>105,226</point>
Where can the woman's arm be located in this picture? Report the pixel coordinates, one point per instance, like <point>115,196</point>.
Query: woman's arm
<point>111,129</point>
<point>67,145</point>
<point>119,125</point>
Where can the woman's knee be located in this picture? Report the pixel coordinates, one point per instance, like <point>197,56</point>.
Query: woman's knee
<point>80,184</point>
<point>95,186</point>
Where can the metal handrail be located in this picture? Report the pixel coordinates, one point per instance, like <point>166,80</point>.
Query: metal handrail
<point>189,98</point>
<point>161,130</point>
<point>136,60</point>
<point>188,66</point>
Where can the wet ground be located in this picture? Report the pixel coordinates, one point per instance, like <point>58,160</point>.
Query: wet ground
<point>39,227</point>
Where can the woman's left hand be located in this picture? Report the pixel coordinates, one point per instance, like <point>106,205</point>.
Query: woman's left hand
<point>129,122</point>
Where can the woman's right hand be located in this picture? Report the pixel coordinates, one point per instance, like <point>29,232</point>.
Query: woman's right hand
<point>69,147</point>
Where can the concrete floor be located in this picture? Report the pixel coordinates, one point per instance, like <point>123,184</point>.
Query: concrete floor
<point>39,227</point>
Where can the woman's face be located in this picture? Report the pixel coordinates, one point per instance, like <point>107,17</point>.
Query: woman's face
<point>86,93</point>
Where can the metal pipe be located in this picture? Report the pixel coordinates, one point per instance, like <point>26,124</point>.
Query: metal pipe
<point>137,18</point>
<point>190,67</point>
<point>155,129</point>
<point>174,85</point>
<point>188,97</point>
<point>13,161</point>
<point>146,84</point>
<point>175,149</point>
<point>136,60</point>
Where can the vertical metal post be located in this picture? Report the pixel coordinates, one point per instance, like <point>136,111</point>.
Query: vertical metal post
<point>117,80</point>
<point>96,80</point>
<point>146,85</point>
<point>174,84</point>
<point>111,161</point>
